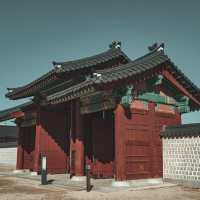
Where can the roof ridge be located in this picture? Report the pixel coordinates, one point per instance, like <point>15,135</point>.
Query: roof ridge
<point>182,125</point>
<point>92,60</point>
<point>87,57</point>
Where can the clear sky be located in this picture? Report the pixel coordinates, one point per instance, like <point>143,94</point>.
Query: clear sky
<point>33,33</point>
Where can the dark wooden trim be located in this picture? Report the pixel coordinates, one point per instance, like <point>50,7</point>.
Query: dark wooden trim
<point>169,77</point>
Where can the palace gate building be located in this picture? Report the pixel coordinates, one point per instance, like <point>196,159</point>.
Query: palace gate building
<point>105,110</point>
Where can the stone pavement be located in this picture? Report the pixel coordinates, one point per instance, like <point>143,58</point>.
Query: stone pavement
<point>99,185</point>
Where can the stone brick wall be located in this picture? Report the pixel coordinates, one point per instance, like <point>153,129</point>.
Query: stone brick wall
<point>181,160</point>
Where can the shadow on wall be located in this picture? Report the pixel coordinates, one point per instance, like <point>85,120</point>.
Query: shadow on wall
<point>56,126</point>
<point>28,139</point>
<point>99,137</point>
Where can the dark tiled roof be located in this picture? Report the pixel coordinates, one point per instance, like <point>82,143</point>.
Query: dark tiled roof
<point>72,92</point>
<point>57,87</point>
<point>5,114</point>
<point>8,131</point>
<point>114,74</point>
<point>92,60</point>
<point>146,63</point>
<point>185,130</point>
<point>135,67</point>
<point>131,69</point>
<point>17,90</point>
<point>21,92</point>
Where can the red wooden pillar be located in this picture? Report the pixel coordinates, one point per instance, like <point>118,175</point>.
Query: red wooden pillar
<point>38,129</point>
<point>76,141</point>
<point>152,131</point>
<point>120,144</point>
<point>178,117</point>
<point>19,164</point>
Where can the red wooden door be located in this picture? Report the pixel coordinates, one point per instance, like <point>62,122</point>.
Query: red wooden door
<point>138,150</point>
<point>143,145</point>
<point>103,148</point>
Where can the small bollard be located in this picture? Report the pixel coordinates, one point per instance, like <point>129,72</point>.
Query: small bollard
<point>88,180</point>
<point>44,170</point>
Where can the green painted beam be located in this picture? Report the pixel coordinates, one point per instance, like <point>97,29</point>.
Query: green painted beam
<point>128,97</point>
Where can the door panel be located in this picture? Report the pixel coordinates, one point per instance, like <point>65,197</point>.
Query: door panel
<point>138,152</point>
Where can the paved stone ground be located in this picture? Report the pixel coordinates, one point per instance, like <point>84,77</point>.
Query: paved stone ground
<point>100,185</point>
<point>29,188</point>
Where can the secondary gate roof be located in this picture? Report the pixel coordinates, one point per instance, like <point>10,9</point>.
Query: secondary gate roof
<point>50,79</point>
<point>185,130</point>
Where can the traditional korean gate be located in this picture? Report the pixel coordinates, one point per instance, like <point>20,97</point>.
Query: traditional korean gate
<point>103,147</point>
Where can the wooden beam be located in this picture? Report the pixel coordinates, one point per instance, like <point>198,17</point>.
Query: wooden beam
<point>12,116</point>
<point>170,78</point>
<point>16,114</point>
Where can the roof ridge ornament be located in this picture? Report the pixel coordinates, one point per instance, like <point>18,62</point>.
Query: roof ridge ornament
<point>115,45</point>
<point>97,74</point>
<point>156,47</point>
<point>10,90</point>
<point>56,65</point>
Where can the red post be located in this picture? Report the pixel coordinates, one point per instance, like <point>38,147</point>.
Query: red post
<point>76,141</point>
<point>19,164</point>
<point>37,142</point>
<point>153,155</point>
<point>120,144</point>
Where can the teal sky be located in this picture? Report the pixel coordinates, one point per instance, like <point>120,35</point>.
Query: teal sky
<point>34,33</point>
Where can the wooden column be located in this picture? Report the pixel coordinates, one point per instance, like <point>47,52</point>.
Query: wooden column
<point>120,144</point>
<point>20,151</point>
<point>153,140</point>
<point>76,141</point>
<point>37,142</point>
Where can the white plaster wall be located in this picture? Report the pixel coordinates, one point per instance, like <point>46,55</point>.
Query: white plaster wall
<point>8,156</point>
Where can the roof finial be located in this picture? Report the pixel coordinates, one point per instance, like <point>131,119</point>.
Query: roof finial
<point>161,47</point>
<point>54,62</point>
<point>10,89</point>
<point>115,45</point>
<point>56,65</point>
<point>157,47</point>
